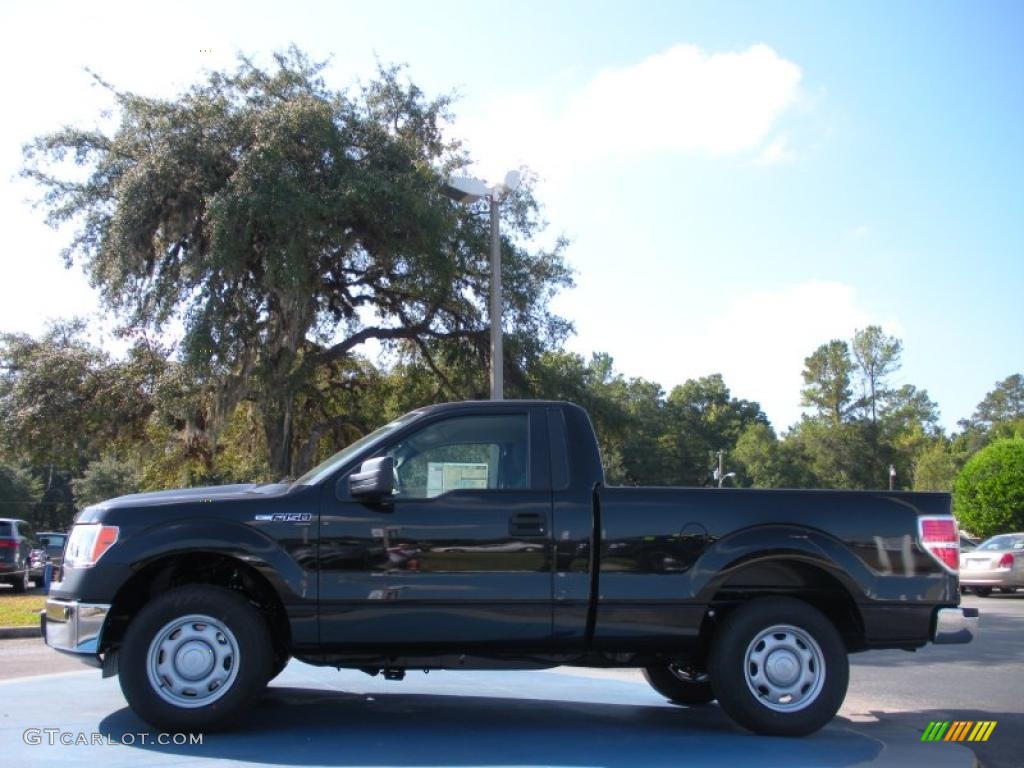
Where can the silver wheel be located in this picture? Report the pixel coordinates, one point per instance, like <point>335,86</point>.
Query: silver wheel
<point>192,661</point>
<point>784,668</point>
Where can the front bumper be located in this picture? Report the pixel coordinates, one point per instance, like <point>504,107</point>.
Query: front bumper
<point>955,625</point>
<point>74,627</point>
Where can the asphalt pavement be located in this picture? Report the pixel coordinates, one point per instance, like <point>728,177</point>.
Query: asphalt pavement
<point>313,716</point>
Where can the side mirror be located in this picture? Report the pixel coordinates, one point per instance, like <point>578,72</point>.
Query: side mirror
<point>375,479</point>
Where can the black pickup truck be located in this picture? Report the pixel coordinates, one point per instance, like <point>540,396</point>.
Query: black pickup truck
<point>481,535</point>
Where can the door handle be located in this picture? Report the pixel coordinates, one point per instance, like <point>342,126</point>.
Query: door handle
<point>527,524</point>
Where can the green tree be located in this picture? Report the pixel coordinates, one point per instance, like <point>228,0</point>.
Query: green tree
<point>877,356</point>
<point>989,492</point>
<point>286,224</point>
<point>936,468</point>
<point>1003,404</point>
<point>999,414</point>
<point>827,381</point>
<point>20,491</point>
<point>701,417</point>
<point>106,478</point>
<point>63,400</point>
<point>768,462</point>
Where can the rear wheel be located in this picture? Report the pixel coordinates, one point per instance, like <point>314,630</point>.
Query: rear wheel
<point>1007,590</point>
<point>280,662</point>
<point>22,583</point>
<point>195,659</point>
<point>778,667</point>
<point>679,684</point>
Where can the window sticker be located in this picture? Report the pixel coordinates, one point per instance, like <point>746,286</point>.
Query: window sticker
<point>445,476</point>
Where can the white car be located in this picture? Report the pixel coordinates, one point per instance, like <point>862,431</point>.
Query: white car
<point>996,563</point>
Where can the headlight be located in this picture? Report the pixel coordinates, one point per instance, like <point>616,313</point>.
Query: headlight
<point>87,543</point>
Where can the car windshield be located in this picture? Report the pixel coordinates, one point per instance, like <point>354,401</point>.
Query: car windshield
<point>326,468</point>
<point>1007,541</point>
<point>53,540</point>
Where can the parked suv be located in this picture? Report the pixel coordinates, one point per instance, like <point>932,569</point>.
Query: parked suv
<point>20,555</point>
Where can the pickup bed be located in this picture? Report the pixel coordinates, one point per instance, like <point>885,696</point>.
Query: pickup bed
<point>481,535</point>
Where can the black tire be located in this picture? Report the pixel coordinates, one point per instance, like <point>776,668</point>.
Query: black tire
<point>1007,590</point>
<point>983,591</point>
<point>248,662</point>
<point>280,662</point>
<point>677,688</point>
<point>815,652</point>
<point>21,583</point>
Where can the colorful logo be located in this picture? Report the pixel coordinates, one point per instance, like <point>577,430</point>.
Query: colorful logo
<point>958,730</point>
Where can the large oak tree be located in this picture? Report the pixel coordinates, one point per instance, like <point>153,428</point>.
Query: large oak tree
<point>285,224</point>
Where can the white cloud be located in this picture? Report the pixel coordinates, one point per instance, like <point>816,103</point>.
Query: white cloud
<point>776,152</point>
<point>760,341</point>
<point>684,100</point>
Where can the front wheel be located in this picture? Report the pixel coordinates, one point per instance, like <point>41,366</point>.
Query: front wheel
<point>679,684</point>
<point>983,591</point>
<point>778,667</point>
<point>195,659</point>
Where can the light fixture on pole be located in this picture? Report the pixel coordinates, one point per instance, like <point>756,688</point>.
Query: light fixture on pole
<point>467,190</point>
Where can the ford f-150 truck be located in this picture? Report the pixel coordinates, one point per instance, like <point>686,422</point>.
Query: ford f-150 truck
<point>481,535</point>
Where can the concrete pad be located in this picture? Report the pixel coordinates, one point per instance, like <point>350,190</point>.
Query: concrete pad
<point>311,716</point>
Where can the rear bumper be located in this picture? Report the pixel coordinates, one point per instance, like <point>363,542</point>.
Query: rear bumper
<point>955,625</point>
<point>1000,577</point>
<point>74,627</point>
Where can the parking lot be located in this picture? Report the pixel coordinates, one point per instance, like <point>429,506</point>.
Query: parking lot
<point>313,716</point>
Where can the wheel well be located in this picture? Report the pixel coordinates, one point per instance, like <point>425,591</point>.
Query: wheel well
<point>794,578</point>
<point>198,568</point>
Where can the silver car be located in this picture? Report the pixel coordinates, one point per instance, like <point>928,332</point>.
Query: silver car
<point>996,563</point>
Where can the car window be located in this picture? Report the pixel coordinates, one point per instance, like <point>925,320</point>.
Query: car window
<point>6,530</point>
<point>463,452</point>
<point>997,543</point>
<point>53,540</point>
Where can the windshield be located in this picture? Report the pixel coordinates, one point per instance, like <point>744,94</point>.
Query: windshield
<point>1009,541</point>
<point>325,468</point>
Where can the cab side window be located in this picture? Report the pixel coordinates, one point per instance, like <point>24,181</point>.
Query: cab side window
<point>463,452</point>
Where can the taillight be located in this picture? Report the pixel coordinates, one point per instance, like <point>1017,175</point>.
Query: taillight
<point>1006,561</point>
<point>87,543</point>
<point>939,536</point>
<point>8,543</point>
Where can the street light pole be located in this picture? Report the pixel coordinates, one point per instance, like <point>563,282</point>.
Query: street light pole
<point>468,190</point>
<point>497,352</point>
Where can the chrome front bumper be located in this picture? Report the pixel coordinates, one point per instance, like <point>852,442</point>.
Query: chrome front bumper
<point>955,625</point>
<point>74,627</point>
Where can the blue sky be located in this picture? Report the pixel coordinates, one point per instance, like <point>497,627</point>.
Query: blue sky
<point>741,181</point>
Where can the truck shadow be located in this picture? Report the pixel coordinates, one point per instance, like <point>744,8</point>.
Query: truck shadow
<point>293,726</point>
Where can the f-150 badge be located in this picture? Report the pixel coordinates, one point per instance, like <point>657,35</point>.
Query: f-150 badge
<point>287,517</point>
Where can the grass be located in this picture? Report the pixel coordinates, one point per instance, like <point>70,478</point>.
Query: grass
<point>20,610</point>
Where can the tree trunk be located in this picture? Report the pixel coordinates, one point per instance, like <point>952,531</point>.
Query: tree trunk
<point>278,427</point>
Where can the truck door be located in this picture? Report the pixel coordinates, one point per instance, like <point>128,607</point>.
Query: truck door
<point>460,555</point>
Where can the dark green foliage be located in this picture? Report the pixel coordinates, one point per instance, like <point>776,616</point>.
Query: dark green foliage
<point>19,491</point>
<point>105,478</point>
<point>286,224</point>
<point>989,491</point>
